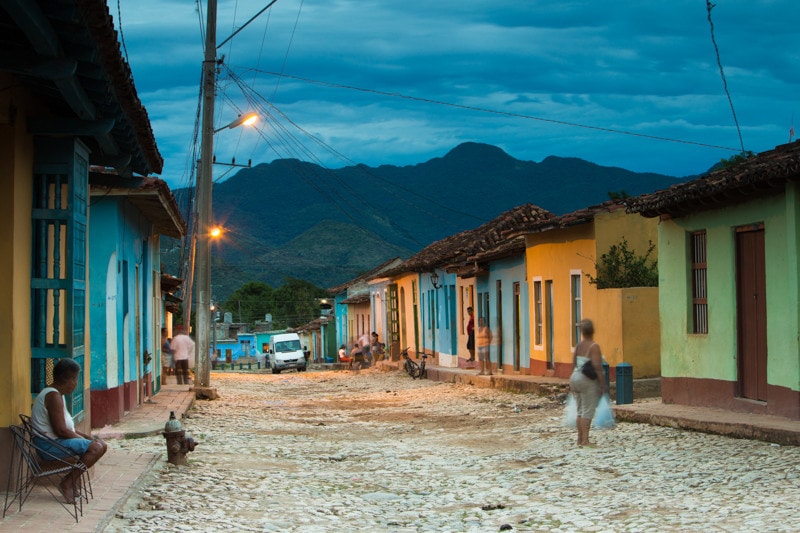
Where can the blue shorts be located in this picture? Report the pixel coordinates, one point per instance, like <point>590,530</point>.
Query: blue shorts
<point>47,451</point>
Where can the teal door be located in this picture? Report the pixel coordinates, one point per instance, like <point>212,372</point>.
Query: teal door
<point>58,277</point>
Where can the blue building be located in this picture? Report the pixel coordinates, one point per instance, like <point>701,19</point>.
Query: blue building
<point>126,308</point>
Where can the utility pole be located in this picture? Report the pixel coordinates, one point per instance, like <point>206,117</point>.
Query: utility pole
<point>204,185</point>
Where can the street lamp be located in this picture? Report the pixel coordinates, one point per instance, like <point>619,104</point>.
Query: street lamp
<point>435,280</point>
<point>243,120</point>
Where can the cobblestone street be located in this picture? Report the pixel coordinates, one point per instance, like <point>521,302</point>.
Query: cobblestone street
<point>377,451</point>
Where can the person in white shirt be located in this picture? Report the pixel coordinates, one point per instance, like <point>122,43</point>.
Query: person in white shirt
<point>50,417</point>
<point>183,355</point>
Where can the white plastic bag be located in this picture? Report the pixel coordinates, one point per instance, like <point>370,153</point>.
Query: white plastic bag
<point>603,415</point>
<point>570,412</point>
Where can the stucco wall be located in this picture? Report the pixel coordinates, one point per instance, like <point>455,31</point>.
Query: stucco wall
<point>555,255</point>
<point>508,272</point>
<point>628,329</point>
<point>639,231</point>
<point>714,355</point>
<point>16,199</point>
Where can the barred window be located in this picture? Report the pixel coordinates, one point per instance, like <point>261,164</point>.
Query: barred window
<point>699,283</point>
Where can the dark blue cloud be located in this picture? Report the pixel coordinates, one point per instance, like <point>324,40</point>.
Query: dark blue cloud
<point>641,67</point>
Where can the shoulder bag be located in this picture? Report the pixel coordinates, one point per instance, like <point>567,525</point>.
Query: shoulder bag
<point>588,370</point>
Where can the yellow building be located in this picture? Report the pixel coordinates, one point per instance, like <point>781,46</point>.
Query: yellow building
<point>560,253</point>
<point>73,108</point>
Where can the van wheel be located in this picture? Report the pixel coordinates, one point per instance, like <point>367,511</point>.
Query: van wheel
<point>301,369</point>
<point>276,371</point>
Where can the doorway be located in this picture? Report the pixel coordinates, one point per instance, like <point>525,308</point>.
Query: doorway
<point>548,304</point>
<point>751,312</point>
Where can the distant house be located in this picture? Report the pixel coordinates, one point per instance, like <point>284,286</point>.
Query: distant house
<point>468,269</point>
<point>729,244</point>
<point>560,252</point>
<point>431,301</point>
<point>351,309</point>
<point>497,263</point>
<point>68,105</point>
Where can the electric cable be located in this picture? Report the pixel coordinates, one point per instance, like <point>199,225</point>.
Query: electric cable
<point>491,111</point>
<point>709,7</point>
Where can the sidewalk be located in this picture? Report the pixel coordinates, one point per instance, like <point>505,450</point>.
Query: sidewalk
<point>114,478</point>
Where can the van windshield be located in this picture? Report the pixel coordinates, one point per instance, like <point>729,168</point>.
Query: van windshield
<point>287,346</point>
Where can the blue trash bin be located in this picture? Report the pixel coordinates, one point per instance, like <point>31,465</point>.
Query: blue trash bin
<point>624,383</point>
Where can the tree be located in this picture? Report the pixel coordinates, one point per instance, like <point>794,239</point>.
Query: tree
<point>620,267</point>
<point>251,301</point>
<point>618,195</point>
<point>296,303</point>
<point>735,159</point>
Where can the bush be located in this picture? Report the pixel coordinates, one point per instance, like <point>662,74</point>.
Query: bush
<point>620,267</point>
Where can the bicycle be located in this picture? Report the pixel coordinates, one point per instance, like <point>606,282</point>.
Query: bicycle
<point>414,369</point>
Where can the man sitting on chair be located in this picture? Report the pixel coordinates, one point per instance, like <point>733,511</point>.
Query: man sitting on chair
<point>51,417</point>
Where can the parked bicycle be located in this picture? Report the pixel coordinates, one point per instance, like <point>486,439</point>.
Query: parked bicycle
<point>414,369</point>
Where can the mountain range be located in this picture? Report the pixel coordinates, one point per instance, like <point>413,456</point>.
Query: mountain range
<point>290,218</point>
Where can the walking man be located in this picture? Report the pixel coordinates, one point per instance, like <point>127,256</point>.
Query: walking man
<point>183,353</point>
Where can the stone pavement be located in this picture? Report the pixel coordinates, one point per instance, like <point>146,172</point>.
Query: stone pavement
<point>779,430</point>
<point>120,472</point>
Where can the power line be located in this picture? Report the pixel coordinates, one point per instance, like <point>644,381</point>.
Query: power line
<point>259,101</point>
<point>492,111</point>
<point>254,17</point>
<point>709,7</point>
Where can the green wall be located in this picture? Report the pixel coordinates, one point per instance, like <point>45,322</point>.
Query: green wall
<point>714,355</point>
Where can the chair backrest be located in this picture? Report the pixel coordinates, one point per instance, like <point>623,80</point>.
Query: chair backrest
<point>64,454</point>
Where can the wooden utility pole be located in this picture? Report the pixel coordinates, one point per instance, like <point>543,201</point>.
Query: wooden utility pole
<point>204,187</point>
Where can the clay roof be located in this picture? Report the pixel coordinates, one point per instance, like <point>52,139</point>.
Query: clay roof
<point>459,248</point>
<point>762,175</point>
<point>66,52</point>
<point>581,216</point>
<point>366,275</point>
<point>152,196</point>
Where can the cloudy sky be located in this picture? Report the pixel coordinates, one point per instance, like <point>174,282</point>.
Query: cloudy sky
<point>399,82</point>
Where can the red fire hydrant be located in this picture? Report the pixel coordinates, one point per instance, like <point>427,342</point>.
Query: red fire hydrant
<point>178,444</point>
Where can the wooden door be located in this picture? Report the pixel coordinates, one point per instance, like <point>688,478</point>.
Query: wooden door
<point>751,306</point>
<point>548,303</point>
<point>393,316</point>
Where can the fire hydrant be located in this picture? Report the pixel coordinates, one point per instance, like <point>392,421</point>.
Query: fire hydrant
<point>178,443</point>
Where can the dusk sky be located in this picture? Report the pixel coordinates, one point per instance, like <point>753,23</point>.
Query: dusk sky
<point>401,82</point>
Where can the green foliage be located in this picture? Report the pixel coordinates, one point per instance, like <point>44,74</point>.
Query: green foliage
<point>618,195</point>
<point>296,303</point>
<point>620,267</point>
<point>250,302</point>
<point>293,304</point>
<point>736,159</point>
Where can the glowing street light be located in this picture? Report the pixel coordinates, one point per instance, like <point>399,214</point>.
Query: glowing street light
<point>243,120</point>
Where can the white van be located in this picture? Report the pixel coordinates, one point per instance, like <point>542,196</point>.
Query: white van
<point>285,352</point>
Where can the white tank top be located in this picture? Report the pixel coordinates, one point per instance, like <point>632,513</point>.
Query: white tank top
<point>41,420</point>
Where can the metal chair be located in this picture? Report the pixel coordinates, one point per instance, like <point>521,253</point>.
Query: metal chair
<point>31,470</point>
<point>64,453</point>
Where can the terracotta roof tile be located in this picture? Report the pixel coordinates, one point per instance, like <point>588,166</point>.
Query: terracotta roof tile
<point>762,175</point>
<point>460,247</point>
